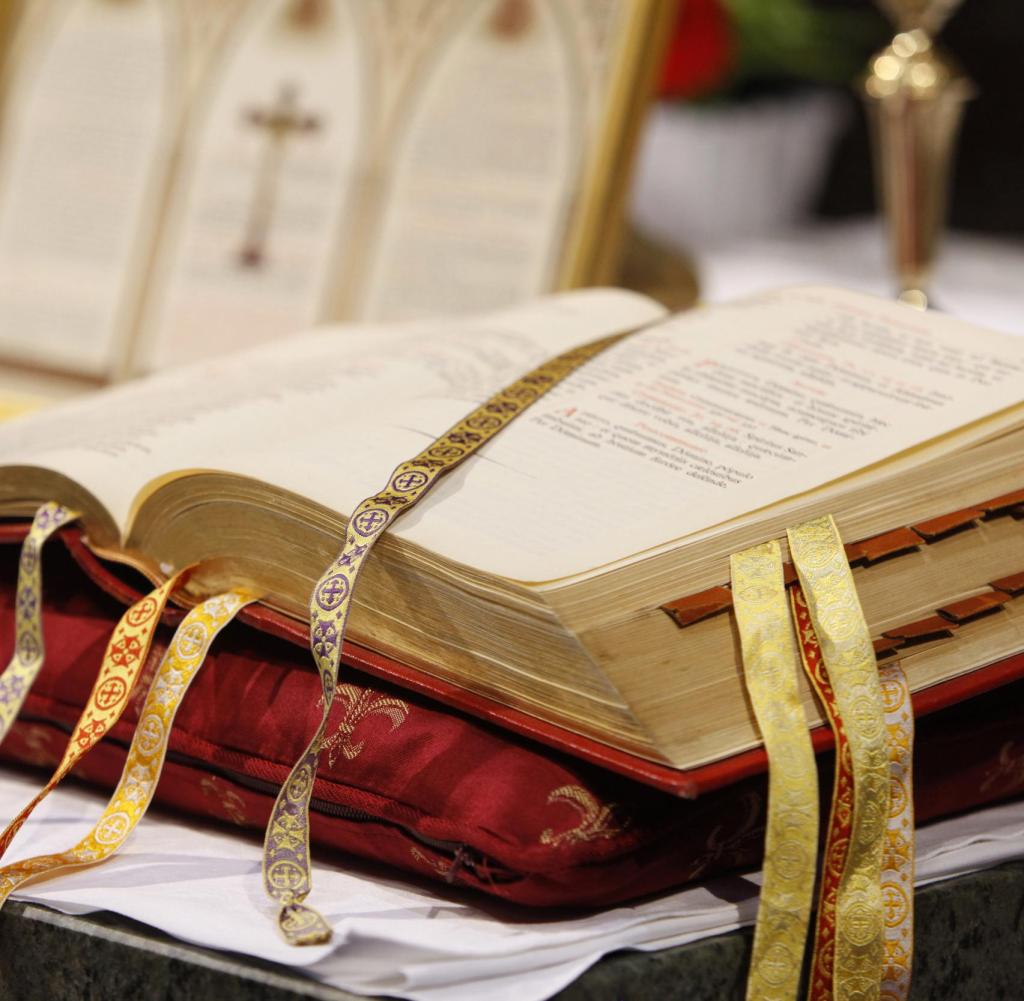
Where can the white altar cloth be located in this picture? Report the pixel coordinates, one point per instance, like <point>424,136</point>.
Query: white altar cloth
<point>202,885</point>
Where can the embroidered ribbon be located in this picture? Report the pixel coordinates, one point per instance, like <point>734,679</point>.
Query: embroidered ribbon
<point>849,658</point>
<point>286,864</point>
<point>125,655</point>
<point>21,672</point>
<point>898,858</point>
<point>840,819</point>
<point>146,755</point>
<point>770,667</point>
<point>897,878</point>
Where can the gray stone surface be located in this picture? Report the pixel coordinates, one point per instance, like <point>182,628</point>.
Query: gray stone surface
<point>969,944</point>
<point>48,956</point>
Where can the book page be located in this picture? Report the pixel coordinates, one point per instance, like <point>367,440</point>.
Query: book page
<point>80,169</point>
<point>714,414</point>
<point>336,405</point>
<point>264,186</point>
<point>483,165</point>
<point>681,427</point>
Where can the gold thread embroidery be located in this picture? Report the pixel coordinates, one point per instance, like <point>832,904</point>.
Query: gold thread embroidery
<point>360,704</point>
<point>770,668</point>
<point>837,838</point>
<point>439,866</point>
<point>729,841</point>
<point>596,820</point>
<point>230,802</point>
<point>148,749</point>
<point>38,744</point>
<point>1008,769</point>
<point>838,620</point>
<point>125,654</point>
<point>898,853</point>
<point>27,659</point>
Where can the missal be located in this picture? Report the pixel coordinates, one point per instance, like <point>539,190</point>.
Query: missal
<point>574,568</point>
<point>181,179</point>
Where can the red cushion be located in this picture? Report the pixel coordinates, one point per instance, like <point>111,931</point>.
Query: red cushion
<point>418,786</point>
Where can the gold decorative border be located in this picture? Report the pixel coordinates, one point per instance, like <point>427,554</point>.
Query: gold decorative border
<point>770,669</point>
<point>846,650</point>
<point>593,242</point>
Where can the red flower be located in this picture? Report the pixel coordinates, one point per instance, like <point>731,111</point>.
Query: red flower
<point>702,51</point>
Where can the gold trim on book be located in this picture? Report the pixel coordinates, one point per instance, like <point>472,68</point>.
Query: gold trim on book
<point>593,242</point>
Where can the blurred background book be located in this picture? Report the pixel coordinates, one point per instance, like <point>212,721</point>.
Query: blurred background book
<point>180,178</point>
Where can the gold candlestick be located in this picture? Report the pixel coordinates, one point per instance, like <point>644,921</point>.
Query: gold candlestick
<point>915,97</point>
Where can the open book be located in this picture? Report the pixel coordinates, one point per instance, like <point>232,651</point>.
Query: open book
<point>180,178</point>
<point>534,574</point>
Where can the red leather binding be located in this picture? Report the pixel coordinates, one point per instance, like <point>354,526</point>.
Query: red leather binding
<point>692,608</point>
<point>935,528</point>
<point>974,607</point>
<point>900,540</point>
<point>1012,585</point>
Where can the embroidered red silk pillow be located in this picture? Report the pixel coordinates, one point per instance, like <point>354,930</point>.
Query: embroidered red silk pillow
<point>416,785</point>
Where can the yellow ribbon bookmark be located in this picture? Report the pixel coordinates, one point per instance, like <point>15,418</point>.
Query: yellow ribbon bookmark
<point>125,655</point>
<point>286,864</point>
<point>21,672</point>
<point>849,657</point>
<point>898,857</point>
<point>146,755</point>
<point>770,667</point>
<point>897,878</point>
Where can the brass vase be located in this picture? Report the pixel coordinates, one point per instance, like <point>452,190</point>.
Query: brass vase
<point>915,97</point>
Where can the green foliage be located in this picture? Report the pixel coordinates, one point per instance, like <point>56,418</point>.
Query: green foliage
<point>796,40</point>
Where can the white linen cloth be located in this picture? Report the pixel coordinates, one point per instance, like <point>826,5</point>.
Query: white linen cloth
<point>977,277</point>
<point>202,884</point>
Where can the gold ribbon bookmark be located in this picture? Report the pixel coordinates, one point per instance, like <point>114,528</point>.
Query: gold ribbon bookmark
<point>286,863</point>
<point>898,857</point>
<point>771,668</point>
<point>125,655</point>
<point>849,657</point>
<point>22,671</point>
<point>146,755</point>
<point>837,838</point>
<point>897,878</point>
